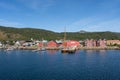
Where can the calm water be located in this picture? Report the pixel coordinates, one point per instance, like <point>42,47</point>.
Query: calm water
<point>52,65</point>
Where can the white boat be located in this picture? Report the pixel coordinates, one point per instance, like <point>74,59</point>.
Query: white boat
<point>42,49</point>
<point>10,49</point>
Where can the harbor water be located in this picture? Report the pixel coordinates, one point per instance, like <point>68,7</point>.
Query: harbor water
<point>53,65</point>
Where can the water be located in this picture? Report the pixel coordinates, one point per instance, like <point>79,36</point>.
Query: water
<point>52,65</point>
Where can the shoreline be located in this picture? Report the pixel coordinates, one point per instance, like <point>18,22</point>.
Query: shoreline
<point>56,48</point>
<point>99,48</point>
<point>81,48</point>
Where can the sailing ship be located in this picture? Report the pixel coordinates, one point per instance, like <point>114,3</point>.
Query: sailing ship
<point>66,48</point>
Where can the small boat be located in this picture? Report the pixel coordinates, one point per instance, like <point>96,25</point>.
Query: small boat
<point>64,50</point>
<point>72,49</point>
<point>42,49</point>
<point>10,49</point>
<point>35,50</point>
<point>69,50</point>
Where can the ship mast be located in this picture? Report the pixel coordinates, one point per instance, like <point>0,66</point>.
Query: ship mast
<point>64,34</point>
<point>65,45</point>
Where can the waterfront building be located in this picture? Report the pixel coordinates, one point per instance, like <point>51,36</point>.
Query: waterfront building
<point>71,43</point>
<point>52,45</point>
<point>17,44</point>
<point>59,41</point>
<point>102,43</point>
<point>82,43</point>
<point>112,42</point>
<point>28,43</point>
<point>70,46</point>
<point>95,43</point>
<point>0,44</point>
<point>89,43</point>
<point>40,44</point>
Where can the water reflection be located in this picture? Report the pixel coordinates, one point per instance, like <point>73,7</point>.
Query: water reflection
<point>98,52</point>
<point>52,51</point>
<point>49,65</point>
<point>93,56</point>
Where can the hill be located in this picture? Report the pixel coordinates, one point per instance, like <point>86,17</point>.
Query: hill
<point>10,33</point>
<point>25,33</point>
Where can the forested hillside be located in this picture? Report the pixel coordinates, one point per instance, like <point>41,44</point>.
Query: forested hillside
<point>10,33</point>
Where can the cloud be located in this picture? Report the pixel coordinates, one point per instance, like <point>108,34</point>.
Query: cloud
<point>96,24</point>
<point>37,4</point>
<point>109,25</point>
<point>83,23</point>
<point>9,23</point>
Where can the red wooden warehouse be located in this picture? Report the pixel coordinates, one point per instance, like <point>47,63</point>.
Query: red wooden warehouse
<point>51,44</point>
<point>71,43</point>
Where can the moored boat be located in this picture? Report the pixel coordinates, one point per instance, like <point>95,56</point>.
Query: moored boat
<point>42,49</point>
<point>10,49</point>
<point>68,50</point>
<point>64,50</point>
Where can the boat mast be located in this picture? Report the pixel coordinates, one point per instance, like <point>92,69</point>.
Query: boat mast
<point>64,34</point>
<point>65,45</point>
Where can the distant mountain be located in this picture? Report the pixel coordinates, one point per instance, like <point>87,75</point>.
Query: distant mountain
<point>10,33</point>
<point>82,31</point>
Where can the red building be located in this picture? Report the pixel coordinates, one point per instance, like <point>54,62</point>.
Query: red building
<point>40,44</point>
<point>102,43</point>
<point>52,44</point>
<point>71,43</point>
<point>89,43</point>
<point>95,43</point>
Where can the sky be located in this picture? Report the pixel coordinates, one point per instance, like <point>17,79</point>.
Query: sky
<point>55,15</point>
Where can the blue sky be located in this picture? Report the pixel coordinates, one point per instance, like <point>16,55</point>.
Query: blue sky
<point>54,15</point>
